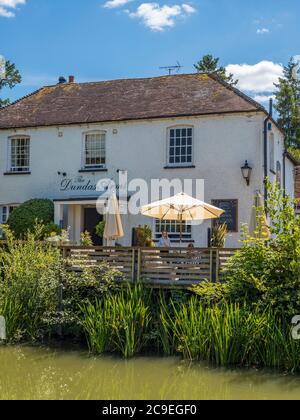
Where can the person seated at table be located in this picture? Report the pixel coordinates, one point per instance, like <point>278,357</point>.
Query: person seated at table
<point>191,253</point>
<point>164,241</point>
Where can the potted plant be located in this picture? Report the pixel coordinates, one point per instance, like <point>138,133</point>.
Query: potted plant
<point>219,233</point>
<point>144,237</point>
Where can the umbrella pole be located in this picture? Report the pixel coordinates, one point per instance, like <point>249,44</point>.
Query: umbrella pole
<point>181,220</point>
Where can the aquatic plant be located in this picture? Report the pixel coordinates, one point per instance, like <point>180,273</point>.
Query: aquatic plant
<point>231,334</point>
<point>96,325</point>
<point>118,322</point>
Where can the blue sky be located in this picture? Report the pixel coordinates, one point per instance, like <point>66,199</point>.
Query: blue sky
<point>99,40</point>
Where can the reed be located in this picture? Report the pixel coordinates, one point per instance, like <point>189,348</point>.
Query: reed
<point>226,334</point>
<point>12,312</point>
<point>229,334</point>
<point>118,323</point>
<point>96,325</point>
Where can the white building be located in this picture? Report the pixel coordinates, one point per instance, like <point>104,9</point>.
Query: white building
<point>60,141</point>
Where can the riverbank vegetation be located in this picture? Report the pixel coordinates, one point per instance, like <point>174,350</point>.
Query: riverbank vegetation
<point>245,320</point>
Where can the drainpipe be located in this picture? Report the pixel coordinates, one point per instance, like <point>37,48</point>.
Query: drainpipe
<point>284,168</point>
<point>270,115</point>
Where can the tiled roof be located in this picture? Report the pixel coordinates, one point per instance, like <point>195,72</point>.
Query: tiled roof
<point>129,99</point>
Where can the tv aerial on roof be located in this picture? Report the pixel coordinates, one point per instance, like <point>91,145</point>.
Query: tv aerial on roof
<point>171,69</point>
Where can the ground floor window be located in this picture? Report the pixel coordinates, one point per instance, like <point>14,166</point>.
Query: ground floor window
<point>3,215</point>
<point>5,211</point>
<point>173,229</point>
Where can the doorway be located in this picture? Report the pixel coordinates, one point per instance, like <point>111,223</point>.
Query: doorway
<point>91,219</point>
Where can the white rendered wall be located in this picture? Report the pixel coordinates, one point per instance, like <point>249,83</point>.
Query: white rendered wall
<point>221,146</point>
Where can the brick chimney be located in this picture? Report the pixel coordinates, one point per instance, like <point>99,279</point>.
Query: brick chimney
<point>71,79</point>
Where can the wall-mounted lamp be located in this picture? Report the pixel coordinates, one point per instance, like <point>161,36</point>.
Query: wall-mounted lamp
<point>64,174</point>
<point>247,171</point>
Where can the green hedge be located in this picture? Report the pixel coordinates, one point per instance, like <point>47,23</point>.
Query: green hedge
<point>26,216</point>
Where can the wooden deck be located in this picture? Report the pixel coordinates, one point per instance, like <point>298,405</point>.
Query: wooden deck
<point>175,267</point>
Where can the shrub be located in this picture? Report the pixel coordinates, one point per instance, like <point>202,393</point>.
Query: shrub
<point>51,230</point>
<point>30,273</point>
<point>88,287</point>
<point>85,239</point>
<point>25,217</point>
<point>100,229</point>
<point>265,272</point>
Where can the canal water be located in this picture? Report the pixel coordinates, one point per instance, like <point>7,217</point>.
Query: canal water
<point>42,373</point>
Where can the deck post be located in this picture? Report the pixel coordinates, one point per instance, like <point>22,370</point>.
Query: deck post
<point>217,265</point>
<point>211,262</point>
<point>139,265</point>
<point>133,266</point>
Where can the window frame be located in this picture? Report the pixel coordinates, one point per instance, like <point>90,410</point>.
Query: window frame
<point>180,164</point>
<point>85,165</point>
<point>14,169</point>
<point>2,221</point>
<point>174,236</point>
<point>8,210</point>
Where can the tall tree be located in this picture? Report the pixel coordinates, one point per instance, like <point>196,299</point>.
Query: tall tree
<point>11,78</point>
<point>288,103</point>
<point>210,64</point>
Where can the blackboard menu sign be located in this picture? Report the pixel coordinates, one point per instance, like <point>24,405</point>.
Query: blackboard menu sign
<point>230,217</point>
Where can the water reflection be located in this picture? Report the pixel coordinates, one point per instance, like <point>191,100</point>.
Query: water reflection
<point>35,373</point>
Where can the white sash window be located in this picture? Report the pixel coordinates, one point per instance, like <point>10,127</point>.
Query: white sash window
<point>180,146</point>
<point>173,229</point>
<point>19,154</point>
<point>95,150</point>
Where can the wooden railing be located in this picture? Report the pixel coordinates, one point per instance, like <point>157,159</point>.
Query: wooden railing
<point>158,267</point>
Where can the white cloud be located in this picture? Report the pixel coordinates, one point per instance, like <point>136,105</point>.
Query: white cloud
<point>259,77</point>
<point>158,17</point>
<point>113,4</point>
<point>263,99</point>
<point>7,7</point>
<point>188,8</point>
<point>263,31</point>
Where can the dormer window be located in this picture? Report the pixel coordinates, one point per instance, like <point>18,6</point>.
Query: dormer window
<point>19,154</point>
<point>95,150</point>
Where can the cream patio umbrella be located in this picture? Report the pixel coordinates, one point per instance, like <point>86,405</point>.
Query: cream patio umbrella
<point>259,227</point>
<point>181,208</point>
<point>113,226</point>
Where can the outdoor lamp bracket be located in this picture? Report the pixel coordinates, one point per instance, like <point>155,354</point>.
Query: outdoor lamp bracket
<point>246,172</point>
